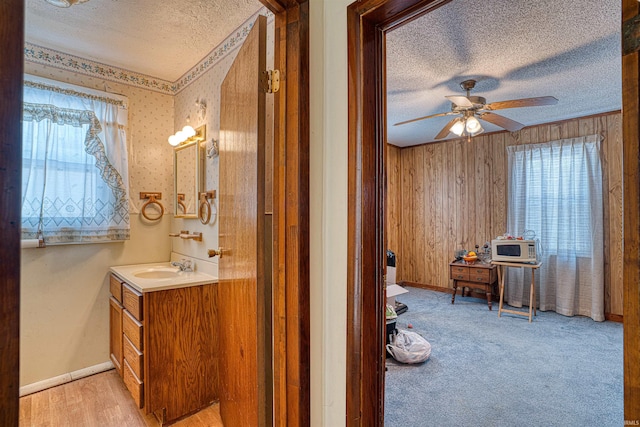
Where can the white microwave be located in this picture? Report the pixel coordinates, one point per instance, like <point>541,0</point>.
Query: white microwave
<point>525,251</point>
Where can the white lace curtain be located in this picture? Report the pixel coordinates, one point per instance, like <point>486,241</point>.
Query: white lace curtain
<point>555,189</point>
<point>74,171</point>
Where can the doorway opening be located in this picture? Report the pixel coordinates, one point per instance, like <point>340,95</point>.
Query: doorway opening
<point>367,237</point>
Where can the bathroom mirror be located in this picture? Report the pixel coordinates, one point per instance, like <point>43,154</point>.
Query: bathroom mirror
<point>187,173</point>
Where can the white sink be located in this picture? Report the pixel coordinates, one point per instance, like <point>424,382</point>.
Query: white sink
<point>157,273</point>
<point>159,276</point>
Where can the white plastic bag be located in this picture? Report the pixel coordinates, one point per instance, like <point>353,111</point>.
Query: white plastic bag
<point>409,347</point>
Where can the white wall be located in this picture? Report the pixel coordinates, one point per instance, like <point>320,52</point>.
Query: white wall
<point>328,174</point>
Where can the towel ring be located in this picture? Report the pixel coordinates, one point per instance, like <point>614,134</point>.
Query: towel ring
<point>151,200</point>
<point>204,209</point>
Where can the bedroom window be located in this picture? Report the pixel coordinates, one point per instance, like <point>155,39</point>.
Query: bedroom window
<point>555,189</point>
<point>74,164</point>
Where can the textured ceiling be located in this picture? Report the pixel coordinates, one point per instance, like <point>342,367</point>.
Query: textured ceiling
<point>569,49</point>
<point>159,38</point>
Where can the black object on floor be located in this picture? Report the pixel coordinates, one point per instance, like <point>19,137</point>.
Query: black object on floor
<point>400,308</point>
<point>391,329</point>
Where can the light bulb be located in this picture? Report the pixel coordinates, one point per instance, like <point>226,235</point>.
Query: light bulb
<point>181,136</point>
<point>188,131</point>
<point>173,140</point>
<point>458,127</point>
<point>473,126</point>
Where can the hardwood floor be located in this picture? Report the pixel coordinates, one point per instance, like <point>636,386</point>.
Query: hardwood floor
<point>100,400</point>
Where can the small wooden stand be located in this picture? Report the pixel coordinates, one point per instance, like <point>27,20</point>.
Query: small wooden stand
<point>473,276</point>
<point>532,290</point>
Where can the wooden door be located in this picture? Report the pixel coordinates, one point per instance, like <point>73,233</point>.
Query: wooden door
<point>241,214</point>
<point>631,183</point>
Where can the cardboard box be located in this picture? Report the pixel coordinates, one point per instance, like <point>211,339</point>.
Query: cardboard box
<point>393,291</point>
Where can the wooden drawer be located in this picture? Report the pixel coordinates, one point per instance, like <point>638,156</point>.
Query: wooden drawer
<point>133,356</point>
<point>132,329</point>
<point>132,301</point>
<point>479,275</point>
<point>134,384</point>
<point>459,273</point>
<point>116,288</point>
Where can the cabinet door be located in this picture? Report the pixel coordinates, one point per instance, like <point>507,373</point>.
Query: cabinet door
<point>115,327</point>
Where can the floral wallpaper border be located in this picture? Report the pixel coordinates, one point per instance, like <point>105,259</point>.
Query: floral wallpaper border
<point>42,55</point>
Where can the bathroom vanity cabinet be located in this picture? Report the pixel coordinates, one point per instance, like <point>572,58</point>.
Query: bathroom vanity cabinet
<point>163,345</point>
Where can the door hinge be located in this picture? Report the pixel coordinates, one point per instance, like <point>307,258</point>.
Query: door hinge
<point>631,35</point>
<point>271,81</point>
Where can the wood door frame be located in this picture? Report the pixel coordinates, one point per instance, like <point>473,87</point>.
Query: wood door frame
<point>291,210</point>
<point>631,203</point>
<point>291,277</point>
<point>367,21</point>
<point>11,76</point>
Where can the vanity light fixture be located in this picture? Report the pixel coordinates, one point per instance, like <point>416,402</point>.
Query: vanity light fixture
<point>187,134</point>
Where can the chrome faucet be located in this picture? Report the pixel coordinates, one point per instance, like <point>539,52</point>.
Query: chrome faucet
<point>184,265</point>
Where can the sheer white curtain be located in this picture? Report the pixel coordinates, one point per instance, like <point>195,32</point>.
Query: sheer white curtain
<point>555,189</point>
<point>74,171</point>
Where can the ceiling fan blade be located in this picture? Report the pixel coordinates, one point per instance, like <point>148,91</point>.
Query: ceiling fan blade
<point>524,102</point>
<point>459,100</point>
<point>503,122</point>
<point>445,130</point>
<point>424,117</point>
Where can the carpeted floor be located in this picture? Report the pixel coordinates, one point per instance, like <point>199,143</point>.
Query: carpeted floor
<point>490,371</point>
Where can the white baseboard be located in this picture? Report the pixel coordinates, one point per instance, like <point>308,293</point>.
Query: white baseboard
<point>65,378</point>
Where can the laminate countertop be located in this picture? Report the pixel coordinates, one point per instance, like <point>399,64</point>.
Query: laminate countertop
<point>160,276</point>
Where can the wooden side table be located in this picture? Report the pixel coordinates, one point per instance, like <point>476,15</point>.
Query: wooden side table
<point>473,276</point>
<point>532,289</point>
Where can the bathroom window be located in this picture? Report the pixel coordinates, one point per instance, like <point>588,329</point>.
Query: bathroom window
<point>74,164</point>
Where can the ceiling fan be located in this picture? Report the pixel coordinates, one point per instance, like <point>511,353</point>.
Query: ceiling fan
<point>469,109</point>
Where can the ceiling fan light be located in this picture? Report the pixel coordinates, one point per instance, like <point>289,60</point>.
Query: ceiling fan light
<point>458,127</point>
<point>478,132</point>
<point>473,126</point>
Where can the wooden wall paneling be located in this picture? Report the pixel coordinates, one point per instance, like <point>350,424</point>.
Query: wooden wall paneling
<point>441,255</point>
<point>461,217</point>
<point>427,215</point>
<point>409,238</point>
<point>498,197</point>
<point>615,193</point>
<point>432,209</point>
<point>394,200</point>
<point>470,206</point>
<point>604,158</point>
<point>483,181</point>
<point>451,207</point>
<point>402,270</point>
<point>454,169</point>
<point>421,225</point>
<point>11,75</point>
